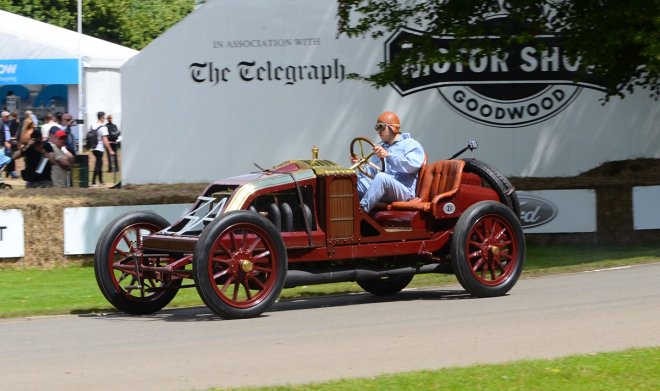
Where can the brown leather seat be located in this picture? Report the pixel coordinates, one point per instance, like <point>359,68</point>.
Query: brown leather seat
<point>439,180</point>
<point>383,206</point>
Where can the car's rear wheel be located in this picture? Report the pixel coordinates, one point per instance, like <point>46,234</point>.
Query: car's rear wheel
<point>119,261</point>
<point>385,286</point>
<point>488,249</point>
<point>239,265</point>
<point>495,180</point>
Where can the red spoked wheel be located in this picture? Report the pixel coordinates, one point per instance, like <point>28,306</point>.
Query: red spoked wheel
<point>240,265</point>
<point>488,249</point>
<point>120,263</point>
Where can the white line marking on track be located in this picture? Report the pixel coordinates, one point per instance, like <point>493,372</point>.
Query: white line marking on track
<point>608,269</point>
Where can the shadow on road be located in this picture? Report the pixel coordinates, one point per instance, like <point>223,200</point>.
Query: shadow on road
<point>196,314</point>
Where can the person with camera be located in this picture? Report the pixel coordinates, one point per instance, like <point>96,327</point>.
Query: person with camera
<point>66,123</point>
<point>60,158</point>
<point>34,151</point>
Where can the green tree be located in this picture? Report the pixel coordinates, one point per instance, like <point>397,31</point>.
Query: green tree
<point>132,23</point>
<point>617,41</point>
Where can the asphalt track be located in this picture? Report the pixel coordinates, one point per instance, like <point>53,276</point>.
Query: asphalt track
<point>333,337</point>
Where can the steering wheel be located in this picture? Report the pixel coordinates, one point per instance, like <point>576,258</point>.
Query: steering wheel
<point>366,151</point>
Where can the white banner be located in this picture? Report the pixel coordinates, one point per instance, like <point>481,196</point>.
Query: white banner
<point>12,233</point>
<point>556,211</point>
<point>262,82</point>
<point>83,226</point>
<point>646,209</point>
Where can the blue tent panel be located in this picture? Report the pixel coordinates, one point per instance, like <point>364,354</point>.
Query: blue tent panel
<point>53,91</point>
<point>19,91</point>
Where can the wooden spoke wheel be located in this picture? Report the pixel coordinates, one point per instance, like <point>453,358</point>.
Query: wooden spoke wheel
<point>119,263</point>
<point>240,265</point>
<point>488,249</point>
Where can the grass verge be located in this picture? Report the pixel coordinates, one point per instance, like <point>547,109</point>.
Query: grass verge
<point>634,369</point>
<point>72,290</point>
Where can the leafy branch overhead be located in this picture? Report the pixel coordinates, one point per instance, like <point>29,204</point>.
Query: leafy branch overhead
<point>132,23</point>
<point>619,42</point>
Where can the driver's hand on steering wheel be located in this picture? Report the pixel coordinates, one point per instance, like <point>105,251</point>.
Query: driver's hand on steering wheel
<point>381,152</point>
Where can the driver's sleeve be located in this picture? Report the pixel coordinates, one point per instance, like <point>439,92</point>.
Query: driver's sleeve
<point>409,162</point>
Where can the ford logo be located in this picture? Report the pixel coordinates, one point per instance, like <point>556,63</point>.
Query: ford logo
<point>535,211</point>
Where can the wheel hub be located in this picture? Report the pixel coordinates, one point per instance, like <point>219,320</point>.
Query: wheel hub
<point>490,249</point>
<point>495,250</point>
<point>246,265</point>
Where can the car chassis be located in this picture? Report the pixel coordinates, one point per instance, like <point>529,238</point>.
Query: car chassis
<point>299,223</point>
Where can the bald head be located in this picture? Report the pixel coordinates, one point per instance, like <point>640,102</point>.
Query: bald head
<point>391,119</point>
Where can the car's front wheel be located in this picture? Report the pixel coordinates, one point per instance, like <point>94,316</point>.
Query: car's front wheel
<point>239,265</point>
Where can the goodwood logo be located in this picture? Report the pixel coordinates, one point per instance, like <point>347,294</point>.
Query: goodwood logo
<point>525,87</point>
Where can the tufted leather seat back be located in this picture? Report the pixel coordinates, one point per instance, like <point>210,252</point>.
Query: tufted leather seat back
<point>440,178</point>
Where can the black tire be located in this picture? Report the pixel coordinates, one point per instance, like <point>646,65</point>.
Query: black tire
<point>240,265</point>
<point>488,249</point>
<point>125,289</point>
<point>385,286</point>
<point>496,181</point>
<point>5,186</point>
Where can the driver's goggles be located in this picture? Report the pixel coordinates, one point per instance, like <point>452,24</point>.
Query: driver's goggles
<point>380,126</point>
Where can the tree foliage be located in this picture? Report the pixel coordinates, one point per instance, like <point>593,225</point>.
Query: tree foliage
<point>132,23</point>
<point>617,41</point>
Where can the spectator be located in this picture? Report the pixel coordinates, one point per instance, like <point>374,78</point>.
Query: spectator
<point>113,135</point>
<point>28,123</point>
<point>5,133</point>
<point>49,122</point>
<point>6,143</point>
<point>100,148</point>
<point>66,123</point>
<point>30,114</point>
<point>33,149</point>
<point>60,158</point>
<point>12,102</point>
<point>58,120</point>
<point>14,127</point>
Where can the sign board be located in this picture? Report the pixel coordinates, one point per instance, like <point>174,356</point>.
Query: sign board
<point>83,226</point>
<point>646,209</point>
<point>557,211</point>
<point>268,88</point>
<point>39,71</point>
<point>12,233</point>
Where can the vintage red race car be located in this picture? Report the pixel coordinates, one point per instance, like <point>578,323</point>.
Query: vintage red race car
<point>299,223</point>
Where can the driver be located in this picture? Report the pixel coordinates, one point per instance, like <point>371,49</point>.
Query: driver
<point>403,158</point>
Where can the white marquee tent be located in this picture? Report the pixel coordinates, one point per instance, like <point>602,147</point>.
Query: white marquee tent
<point>23,40</point>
